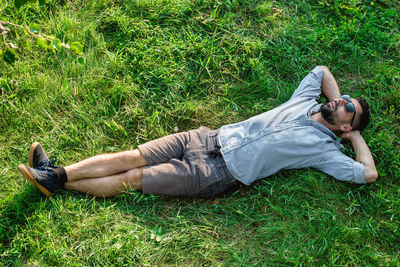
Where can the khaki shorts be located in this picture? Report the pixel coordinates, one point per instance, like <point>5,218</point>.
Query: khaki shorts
<point>185,164</point>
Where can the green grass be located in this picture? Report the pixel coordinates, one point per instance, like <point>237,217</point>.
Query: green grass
<point>150,66</point>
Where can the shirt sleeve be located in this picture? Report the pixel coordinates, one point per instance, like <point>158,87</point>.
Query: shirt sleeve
<point>310,86</point>
<point>341,167</point>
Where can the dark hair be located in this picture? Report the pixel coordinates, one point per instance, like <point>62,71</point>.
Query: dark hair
<point>364,119</point>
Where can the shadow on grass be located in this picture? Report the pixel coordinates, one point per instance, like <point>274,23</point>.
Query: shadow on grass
<point>15,213</point>
<point>172,212</point>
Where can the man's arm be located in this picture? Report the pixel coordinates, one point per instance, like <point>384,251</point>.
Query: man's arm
<point>329,86</point>
<point>363,154</point>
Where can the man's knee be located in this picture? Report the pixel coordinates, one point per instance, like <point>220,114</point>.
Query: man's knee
<point>132,178</point>
<point>133,158</point>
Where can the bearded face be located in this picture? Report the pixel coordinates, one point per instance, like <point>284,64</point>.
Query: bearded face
<point>327,113</point>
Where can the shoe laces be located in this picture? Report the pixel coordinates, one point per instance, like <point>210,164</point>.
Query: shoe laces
<point>49,164</point>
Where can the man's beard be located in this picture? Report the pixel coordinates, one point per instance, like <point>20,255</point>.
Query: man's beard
<point>327,113</point>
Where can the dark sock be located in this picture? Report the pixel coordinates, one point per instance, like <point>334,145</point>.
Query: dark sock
<point>61,176</point>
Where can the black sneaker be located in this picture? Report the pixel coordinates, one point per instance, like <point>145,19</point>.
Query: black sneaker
<point>43,179</point>
<point>38,159</point>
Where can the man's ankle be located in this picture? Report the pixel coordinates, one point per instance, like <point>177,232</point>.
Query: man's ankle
<point>61,176</point>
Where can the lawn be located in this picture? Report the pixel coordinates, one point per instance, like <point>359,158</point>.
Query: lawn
<point>154,67</point>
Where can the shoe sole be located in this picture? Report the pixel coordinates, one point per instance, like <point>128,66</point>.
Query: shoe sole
<point>32,180</point>
<point>32,153</point>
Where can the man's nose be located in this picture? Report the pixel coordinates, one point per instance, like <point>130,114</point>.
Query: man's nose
<point>341,102</point>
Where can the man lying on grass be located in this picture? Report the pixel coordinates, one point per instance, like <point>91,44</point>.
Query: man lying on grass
<point>297,134</point>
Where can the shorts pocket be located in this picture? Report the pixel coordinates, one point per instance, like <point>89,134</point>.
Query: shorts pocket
<point>204,172</point>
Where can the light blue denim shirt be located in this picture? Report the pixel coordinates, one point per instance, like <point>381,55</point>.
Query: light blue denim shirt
<point>287,138</point>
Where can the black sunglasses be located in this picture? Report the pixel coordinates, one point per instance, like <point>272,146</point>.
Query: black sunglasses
<point>349,107</point>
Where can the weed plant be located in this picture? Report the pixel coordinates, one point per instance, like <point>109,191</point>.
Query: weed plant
<point>154,67</point>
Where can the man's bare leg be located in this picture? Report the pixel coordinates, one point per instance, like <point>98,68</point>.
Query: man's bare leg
<point>110,185</point>
<point>106,165</point>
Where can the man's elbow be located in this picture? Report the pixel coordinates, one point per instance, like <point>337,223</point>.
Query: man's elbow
<point>371,175</point>
<point>325,68</point>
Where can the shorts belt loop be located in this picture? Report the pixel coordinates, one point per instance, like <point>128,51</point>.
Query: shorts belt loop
<point>213,147</point>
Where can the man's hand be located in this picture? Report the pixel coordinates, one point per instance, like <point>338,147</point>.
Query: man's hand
<point>363,154</point>
<point>349,135</point>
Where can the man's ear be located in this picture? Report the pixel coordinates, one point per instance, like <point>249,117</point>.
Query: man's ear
<point>346,128</point>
